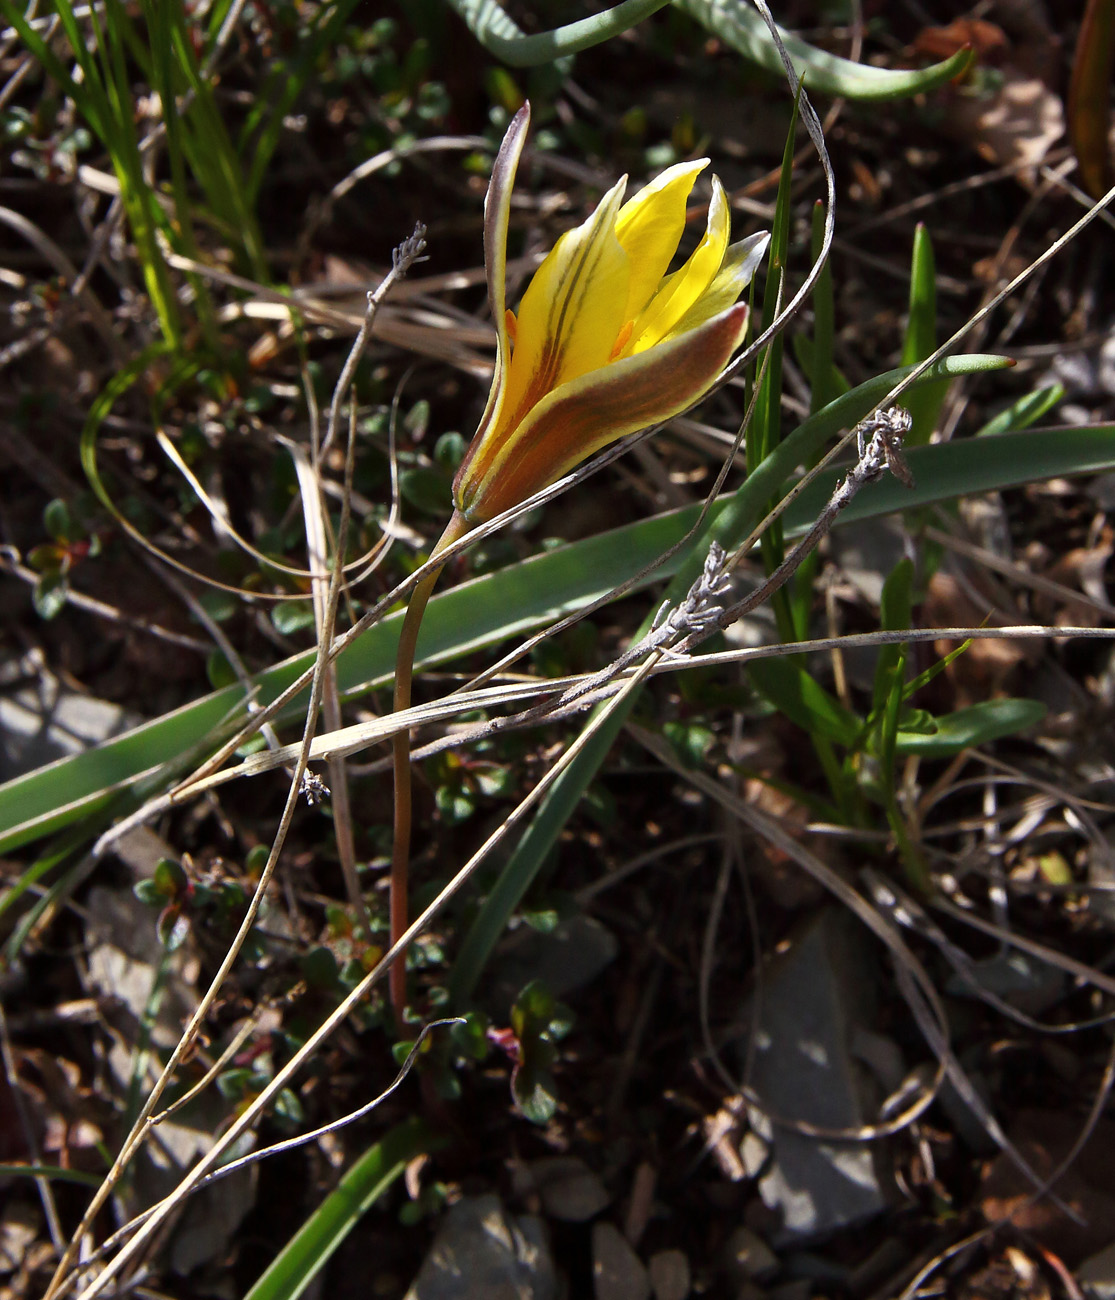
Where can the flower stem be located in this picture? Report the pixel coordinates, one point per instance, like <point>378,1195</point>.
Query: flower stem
<point>457,527</point>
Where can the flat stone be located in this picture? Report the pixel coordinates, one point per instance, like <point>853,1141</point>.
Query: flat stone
<point>1097,1275</point>
<point>569,1189</point>
<point>804,1067</point>
<point>482,1253</point>
<point>617,1272</point>
<point>746,1256</point>
<point>669,1275</point>
<point>569,958</point>
<point>43,721</point>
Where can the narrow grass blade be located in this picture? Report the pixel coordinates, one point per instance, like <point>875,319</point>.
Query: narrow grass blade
<point>924,404</point>
<point>550,585</point>
<point>308,1251</point>
<point>1026,411</point>
<point>500,35</point>
<point>740,26</point>
<point>734,21</point>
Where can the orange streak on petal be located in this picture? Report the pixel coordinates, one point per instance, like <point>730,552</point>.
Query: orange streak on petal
<point>587,414</point>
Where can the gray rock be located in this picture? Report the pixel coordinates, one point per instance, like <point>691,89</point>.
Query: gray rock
<point>567,959</point>
<point>1097,1275</point>
<point>746,1257</point>
<point>568,1188</point>
<point>482,1253</point>
<point>617,1272</point>
<point>669,1275</point>
<point>814,998</point>
<point>43,721</point>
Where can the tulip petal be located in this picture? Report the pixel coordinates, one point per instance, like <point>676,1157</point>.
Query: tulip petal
<point>497,211</point>
<point>595,409</point>
<point>680,291</point>
<point>649,227</point>
<point>741,261</point>
<point>571,312</point>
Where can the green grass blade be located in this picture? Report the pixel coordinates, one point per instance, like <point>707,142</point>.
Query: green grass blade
<point>740,26</point>
<point>308,1251</point>
<point>920,340</point>
<point>765,430</point>
<point>983,722</point>
<point>729,523</point>
<point>546,586</point>
<point>824,384</point>
<point>54,1172</point>
<point>500,35</point>
<point>737,25</point>
<point>1026,411</point>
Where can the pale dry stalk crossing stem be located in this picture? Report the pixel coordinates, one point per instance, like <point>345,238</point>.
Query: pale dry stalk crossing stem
<point>358,994</point>
<point>404,257</point>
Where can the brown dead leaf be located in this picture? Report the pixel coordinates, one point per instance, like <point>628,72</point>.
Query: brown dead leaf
<point>1081,567</point>
<point>1013,126</point>
<point>1045,1138</point>
<point>984,669</point>
<point>780,876</point>
<point>938,43</point>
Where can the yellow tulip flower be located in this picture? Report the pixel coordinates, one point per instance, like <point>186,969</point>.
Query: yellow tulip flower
<point>605,342</point>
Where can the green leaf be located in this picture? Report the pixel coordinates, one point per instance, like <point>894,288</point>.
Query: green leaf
<point>308,1251</point>
<point>219,671</point>
<point>804,701</point>
<point>449,451</point>
<point>742,27</point>
<point>320,969</point>
<point>924,403</point>
<point>535,1095</point>
<point>219,605</point>
<point>148,892</point>
<point>169,878</point>
<point>532,1009</point>
<point>690,741</point>
<point>291,616</point>
<point>894,614</point>
<point>738,25</point>
<point>425,488</point>
<point>49,594</point>
<point>1024,412</point>
<point>417,419</point>
<point>973,726</point>
<point>454,803</point>
<point>173,927</point>
<point>58,522</point>
<point>825,381</point>
<point>501,36</point>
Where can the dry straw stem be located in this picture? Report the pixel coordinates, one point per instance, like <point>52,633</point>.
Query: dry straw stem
<point>361,736</point>
<point>288,1144</point>
<point>416,927</point>
<point>1099,1102</point>
<point>913,980</point>
<point>407,253</point>
<point>245,1121</point>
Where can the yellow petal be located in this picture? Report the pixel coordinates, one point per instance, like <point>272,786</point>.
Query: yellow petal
<point>588,413</point>
<point>497,211</point>
<point>680,291</point>
<point>741,262</point>
<point>649,227</point>
<point>571,312</point>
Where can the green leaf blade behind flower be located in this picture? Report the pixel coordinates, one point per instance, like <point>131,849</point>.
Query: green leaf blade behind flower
<point>527,595</point>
